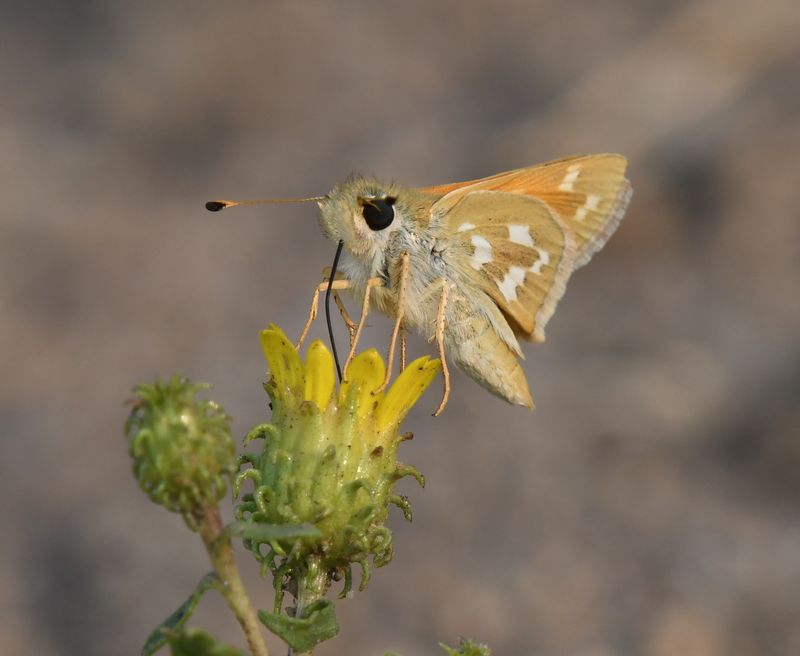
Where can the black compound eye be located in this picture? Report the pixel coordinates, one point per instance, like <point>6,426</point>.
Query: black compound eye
<point>378,212</point>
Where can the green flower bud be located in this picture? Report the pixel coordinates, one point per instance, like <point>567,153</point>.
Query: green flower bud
<point>181,446</point>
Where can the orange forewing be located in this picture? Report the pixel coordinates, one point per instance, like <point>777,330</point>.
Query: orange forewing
<point>587,196</point>
<point>589,192</point>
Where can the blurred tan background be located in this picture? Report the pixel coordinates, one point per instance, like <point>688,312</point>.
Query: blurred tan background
<point>650,505</point>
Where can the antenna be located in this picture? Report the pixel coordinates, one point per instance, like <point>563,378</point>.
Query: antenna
<point>218,205</point>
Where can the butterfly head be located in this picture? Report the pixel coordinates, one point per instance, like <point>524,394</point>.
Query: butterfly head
<point>364,213</point>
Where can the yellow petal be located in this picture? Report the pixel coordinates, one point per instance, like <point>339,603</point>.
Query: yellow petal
<point>319,375</point>
<point>406,391</point>
<point>365,373</point>
<point>283,360</point>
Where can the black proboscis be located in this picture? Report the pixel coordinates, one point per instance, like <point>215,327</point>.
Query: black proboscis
<point>328,307</point>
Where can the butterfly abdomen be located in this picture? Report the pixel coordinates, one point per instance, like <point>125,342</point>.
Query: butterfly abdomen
<point>477,349</point>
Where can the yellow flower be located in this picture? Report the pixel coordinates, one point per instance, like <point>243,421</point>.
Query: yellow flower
<point>294,382</point>
<point>329,460</point>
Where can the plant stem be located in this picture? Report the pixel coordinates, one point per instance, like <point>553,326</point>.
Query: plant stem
<point>311,585</point>
<point>220,549</point>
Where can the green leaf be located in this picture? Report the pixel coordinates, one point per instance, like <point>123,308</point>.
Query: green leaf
<point>267,532</point>
<point>316,624</point>
<point>175,622</point>
<point>194,642</point>
<point>467,648</point>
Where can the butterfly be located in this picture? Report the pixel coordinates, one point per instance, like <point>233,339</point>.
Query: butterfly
<point>475,266</point>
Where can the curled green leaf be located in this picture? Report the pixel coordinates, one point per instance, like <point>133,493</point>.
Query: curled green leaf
<point>177,620</point>
<point>467,648</point>
<point>268,532</point>
<point>194,642</point>
<point>316,624</point>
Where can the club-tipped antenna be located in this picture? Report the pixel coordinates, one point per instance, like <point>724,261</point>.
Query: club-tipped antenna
<point>218,205</point>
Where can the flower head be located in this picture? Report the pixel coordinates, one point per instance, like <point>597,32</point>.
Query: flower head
<point>329,459</point>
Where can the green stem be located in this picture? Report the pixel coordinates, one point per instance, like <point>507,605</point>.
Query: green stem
<point>220,549</point>
<point>311,585</point>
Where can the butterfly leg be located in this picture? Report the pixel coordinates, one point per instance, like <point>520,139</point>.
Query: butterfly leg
<point>372,282</point>
<point>440,346</point>
<point>312,313</point>
<point>402,348</point>
<point>398,323</point>
<point>351,325</point>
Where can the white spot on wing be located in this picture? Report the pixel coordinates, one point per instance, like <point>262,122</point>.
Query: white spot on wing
<point>572,174</point>
<point>465,226</point>
<point>483,252</point>
<point>520,234</point>
<point>513,279</point>
<point>592,202</point>
<point>544,260</point>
